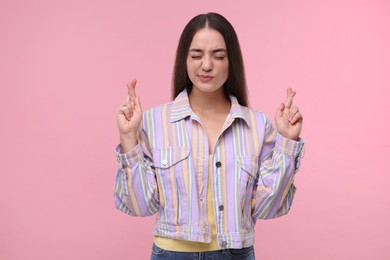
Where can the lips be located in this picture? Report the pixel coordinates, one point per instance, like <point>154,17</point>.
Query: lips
<point>205,78</point>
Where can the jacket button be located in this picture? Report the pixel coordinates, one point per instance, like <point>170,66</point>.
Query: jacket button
<point>164,162</point>
<point>218,164</point>
<point>220,207</point>
<point>224,244</point>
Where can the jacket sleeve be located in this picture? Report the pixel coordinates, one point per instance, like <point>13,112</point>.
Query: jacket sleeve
<point>136,191</point>
<point>279,161</point>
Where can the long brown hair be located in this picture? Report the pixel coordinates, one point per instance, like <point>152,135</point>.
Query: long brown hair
<point>235,84</point>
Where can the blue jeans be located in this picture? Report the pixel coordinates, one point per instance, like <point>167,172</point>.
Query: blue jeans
<point>247,253</point>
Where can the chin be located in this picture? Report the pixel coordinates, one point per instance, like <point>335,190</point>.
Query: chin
<point>208,89</point>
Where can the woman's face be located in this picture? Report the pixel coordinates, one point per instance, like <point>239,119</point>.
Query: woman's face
<point>207,60</point>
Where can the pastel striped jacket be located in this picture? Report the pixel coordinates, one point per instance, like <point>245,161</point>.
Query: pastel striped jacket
<point>167,173</point>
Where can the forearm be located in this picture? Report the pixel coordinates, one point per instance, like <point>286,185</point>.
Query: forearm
<point>274,193</point>
<point>286,202</point>
<point>136,191</point>
<point>276,179</point>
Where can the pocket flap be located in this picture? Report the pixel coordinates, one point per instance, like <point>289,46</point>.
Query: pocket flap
<point>169,156</point>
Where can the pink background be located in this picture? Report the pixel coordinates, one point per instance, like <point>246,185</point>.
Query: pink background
<point>64,65</point>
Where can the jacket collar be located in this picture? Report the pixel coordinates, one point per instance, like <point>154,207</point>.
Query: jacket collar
<point>181,109</point>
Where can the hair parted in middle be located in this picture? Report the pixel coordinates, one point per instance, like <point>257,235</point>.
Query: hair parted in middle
<point>235,84</point>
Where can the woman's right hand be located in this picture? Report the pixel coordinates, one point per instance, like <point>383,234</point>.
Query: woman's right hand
<point>129,118</point>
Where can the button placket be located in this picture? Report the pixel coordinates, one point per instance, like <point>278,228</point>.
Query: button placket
<point>218,165</point>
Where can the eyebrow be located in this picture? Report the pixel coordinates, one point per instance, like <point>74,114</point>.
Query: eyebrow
<point>213,51</point>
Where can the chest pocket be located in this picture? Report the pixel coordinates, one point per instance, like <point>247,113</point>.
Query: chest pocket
<point>250,165</point>
<point>249,173</point>
<point>165,158</point>
<point>170,165</point>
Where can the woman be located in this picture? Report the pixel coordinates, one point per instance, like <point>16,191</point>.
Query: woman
<point>207,164</point>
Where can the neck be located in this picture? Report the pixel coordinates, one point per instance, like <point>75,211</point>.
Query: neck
<point>209,101</point>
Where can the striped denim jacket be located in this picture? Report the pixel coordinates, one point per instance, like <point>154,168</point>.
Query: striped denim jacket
<point>167,173</point>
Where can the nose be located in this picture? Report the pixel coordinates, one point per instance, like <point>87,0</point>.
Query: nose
<point>207,64</point>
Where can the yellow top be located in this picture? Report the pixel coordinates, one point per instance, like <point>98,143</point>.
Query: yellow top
<point>190,246</point>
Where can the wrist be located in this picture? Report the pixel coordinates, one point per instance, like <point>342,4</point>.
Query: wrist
<point>128,142</point>
<point>129,135</point>
<point>291,137</point>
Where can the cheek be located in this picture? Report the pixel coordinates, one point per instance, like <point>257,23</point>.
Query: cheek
<point>188,65</point>
<point>226,70</point>
<point>189,72</point>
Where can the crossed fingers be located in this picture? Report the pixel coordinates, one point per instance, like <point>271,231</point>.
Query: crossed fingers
<point>127,107</point>
<point>292,111</point>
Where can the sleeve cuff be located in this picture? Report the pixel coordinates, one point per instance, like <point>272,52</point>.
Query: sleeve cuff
<point>130,158</point>
<point>289,146</point>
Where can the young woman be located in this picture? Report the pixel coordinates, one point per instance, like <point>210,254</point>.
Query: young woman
<point>205,162</point>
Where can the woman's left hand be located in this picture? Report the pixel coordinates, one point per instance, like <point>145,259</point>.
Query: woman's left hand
<point>288,119</point>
